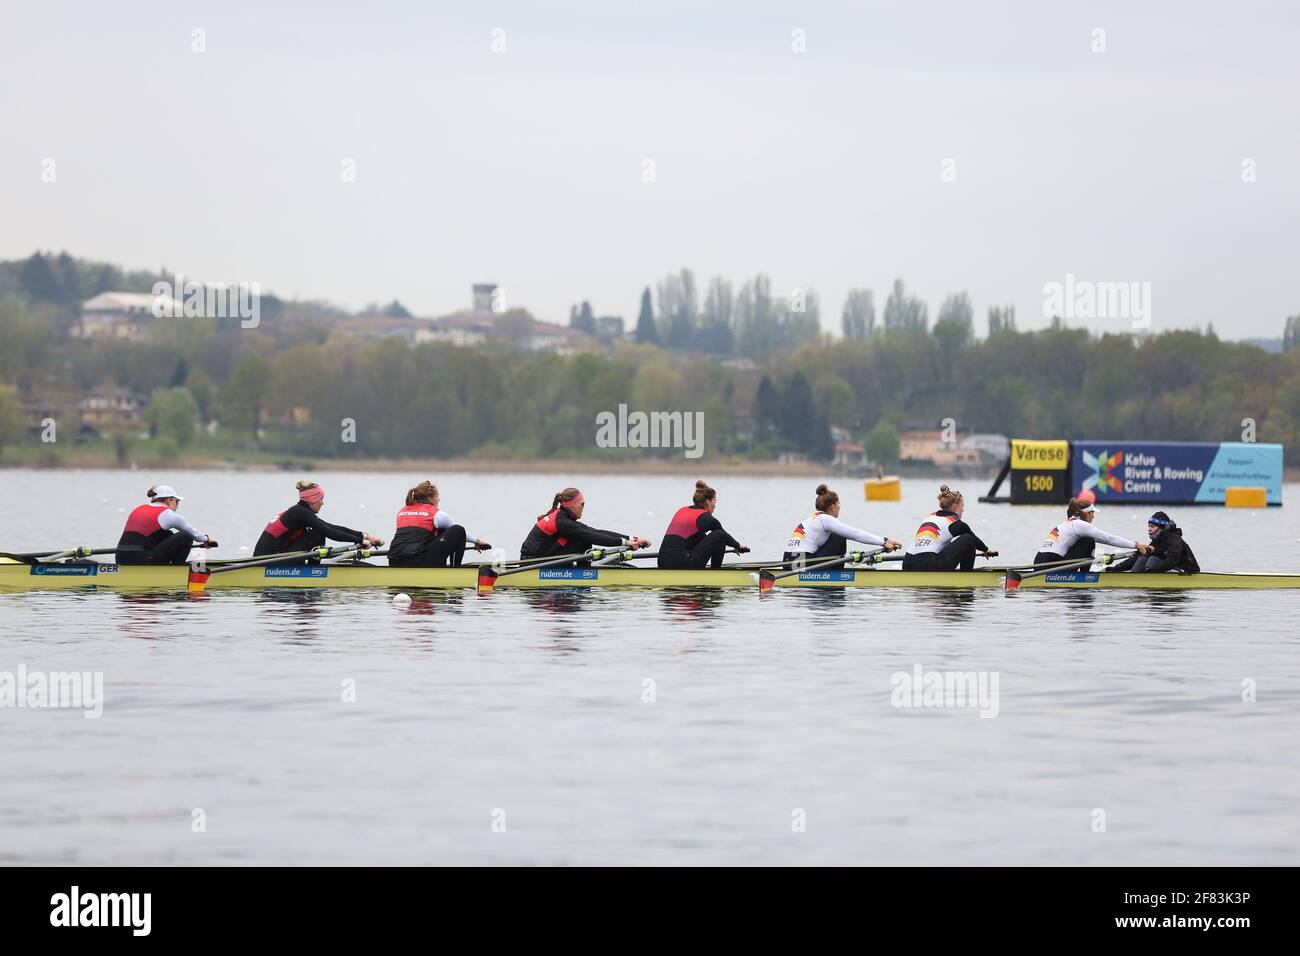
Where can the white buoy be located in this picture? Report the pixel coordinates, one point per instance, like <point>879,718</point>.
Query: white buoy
<point>401,600</point>
<point>753,577</point>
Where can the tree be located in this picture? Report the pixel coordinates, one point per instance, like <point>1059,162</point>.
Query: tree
<point>645,321</point>
<point>903,312</point>
<point>174,414</point>
<point>801,423</point>
<point>757,323</point>
<point>1291,336</point>
<point>957,308</point>
<point>583,319</point>
<point>180,373</point>
<point>1002,319</point>
<point>952,335</point>
<point>38,280</point>
<point>767,407</point>
<point>243,394</point>
<point>199,384</point>
<point>858,320</point>
<point>882,443</point>
<point>678,309</point>
<point>395,310</point>
<point>716,336</point>
<point>835,398</point>
<point>13,424</point>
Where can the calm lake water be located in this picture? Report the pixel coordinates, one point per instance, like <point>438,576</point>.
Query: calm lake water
<point>655,727</point>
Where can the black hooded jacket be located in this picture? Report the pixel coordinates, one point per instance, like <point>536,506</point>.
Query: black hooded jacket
<point>1170,547</point>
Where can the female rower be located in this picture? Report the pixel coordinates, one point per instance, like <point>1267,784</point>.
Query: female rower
<point>427,537</point>
<point>560,532</point>
<point>695,538</point>
<point>155,533</point>
<point>301,528</point>
<point>1075,537</point>
<point>1169,552</point>
<point>824,536</point>
<point>945,542</point>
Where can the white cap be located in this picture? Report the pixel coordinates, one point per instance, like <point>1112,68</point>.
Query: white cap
<point>165,491</point>
<point>1091,507</point>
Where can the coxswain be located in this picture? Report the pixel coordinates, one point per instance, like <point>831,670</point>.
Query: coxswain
<point>695,538</point>
<point>824,535</point>
<point>945,542</point>
<point>155,533</point>
<point>560,532</point>
<point>1169,552</point>
<point>1076,537</point>
<point>426,536</point>
<point>301,528</point>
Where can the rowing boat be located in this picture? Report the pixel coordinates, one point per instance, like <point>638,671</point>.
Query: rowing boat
<point>92,574</point>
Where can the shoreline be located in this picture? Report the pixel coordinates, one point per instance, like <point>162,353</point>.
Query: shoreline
<point>695,468</point>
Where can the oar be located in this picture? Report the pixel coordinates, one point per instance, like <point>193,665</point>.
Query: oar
<point>199,578</point>
<point>1014,577</point>
<point>36,557</point>
<point>638,556</point>
<point>767,579</point>
<point>487,575</point>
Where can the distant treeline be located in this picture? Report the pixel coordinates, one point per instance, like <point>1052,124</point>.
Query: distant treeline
<point>298,393</point>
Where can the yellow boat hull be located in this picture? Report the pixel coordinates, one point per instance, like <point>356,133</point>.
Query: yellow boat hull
<point>89,574</point>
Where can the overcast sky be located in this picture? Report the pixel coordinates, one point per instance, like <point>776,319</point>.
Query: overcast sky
<point>525,167</point>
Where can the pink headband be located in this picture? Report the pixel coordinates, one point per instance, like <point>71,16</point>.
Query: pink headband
<point>312,495</point>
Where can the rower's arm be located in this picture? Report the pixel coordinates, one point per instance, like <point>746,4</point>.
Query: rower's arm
<point>443,521</point>
<point>336,532</point>
<point>836,526</point>
<point>707,522</point>
<point>961,527</point>
<point>1105,537</point>
<point>172,521</point>
<point>566,527</point>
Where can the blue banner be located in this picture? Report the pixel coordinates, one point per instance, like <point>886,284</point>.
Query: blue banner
<point>1174,472</point>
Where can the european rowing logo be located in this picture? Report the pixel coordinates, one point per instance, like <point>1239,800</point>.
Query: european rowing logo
<point>1103,466</point>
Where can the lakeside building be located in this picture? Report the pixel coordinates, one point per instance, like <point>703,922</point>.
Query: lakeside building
<point>973,450</point>
<point>101,412</point>
<point>116,315</point>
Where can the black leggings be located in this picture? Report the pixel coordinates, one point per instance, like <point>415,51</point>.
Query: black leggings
<point>708,552</point>
<point>436,552</point>
<point>173,550</point>
<point>959,555</point>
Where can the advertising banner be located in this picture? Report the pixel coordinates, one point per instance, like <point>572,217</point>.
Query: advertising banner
<point>1174,472</point>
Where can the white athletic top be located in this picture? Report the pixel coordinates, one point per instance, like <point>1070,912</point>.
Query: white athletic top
<point>933,535</point>
<point>1060,539</point>
<point>172,521</point>
<point>811,533</point>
